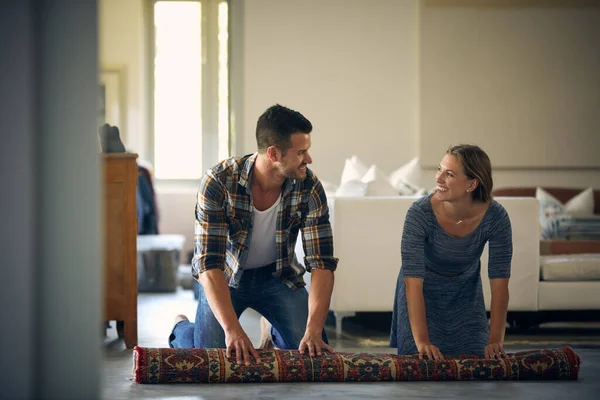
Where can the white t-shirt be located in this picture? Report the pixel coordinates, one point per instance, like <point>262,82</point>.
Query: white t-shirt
<point>262,248</point>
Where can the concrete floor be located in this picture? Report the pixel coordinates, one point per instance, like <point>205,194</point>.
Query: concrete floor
<point>156,313</point>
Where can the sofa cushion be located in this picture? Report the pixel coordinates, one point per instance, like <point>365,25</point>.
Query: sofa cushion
<point>567,227</point>
<point>551,208</point>
<point>570,267</point>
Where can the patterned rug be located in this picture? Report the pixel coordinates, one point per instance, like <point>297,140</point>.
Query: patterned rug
<point>166,365</point>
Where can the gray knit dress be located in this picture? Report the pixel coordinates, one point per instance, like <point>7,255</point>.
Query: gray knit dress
<point>451,268</point>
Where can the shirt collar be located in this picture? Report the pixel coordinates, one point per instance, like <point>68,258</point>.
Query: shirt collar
<point>246,175</point>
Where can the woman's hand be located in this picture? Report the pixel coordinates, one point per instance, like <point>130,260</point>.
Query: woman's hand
<point>494,350</point>
<point>429,350</point>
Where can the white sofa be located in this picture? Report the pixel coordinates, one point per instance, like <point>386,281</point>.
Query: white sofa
<point>367,238</point>
<point>368,219</point>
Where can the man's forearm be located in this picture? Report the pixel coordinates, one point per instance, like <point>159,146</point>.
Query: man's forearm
<point>219,299</point>
<point>321,287</point>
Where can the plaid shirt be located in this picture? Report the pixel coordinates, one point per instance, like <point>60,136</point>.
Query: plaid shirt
<point>224,218</point>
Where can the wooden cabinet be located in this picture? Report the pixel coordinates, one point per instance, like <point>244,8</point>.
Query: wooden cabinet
<point>120,275</point>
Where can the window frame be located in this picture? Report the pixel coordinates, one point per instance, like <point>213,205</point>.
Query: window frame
<point>210,85</point>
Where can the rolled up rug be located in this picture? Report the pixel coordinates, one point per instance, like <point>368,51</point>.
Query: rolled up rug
<point>167,365</point>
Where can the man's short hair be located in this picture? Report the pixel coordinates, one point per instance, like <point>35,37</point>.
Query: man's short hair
<point>276,125</point>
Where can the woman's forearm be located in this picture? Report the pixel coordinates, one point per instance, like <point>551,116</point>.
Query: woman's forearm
<point>416,309</point>
<point>498,309</point>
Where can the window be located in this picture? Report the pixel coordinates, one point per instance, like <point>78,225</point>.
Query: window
<point>190,107</point>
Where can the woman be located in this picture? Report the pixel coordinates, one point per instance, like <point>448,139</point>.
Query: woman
<point>439,308</point>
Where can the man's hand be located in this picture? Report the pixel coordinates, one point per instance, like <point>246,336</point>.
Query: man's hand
<point>313,342</point>
<point>238,341</point>
<point>494,351</point>
<point>319,298</point>
<point>429,350</point>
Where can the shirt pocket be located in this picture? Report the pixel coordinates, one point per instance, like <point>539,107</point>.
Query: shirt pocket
<point>238,229</point>
<point>293,222</point>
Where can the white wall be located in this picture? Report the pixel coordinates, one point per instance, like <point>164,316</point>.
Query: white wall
<point>551,177</point>
<point>352,67</point>
<point>121,43</point>
<point>521,79</point>
<point>349,66</point>
<point>176,207</point>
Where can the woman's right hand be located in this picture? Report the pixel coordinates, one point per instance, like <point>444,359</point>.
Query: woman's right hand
<point>429,350</point>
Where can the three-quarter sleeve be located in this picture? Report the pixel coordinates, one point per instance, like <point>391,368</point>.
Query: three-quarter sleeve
<point>413,242</point>
<point>500,245</point>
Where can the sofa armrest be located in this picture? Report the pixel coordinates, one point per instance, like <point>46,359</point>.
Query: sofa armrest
<point>367,236</point>
<point>524,215</point>
<point>549,247</point>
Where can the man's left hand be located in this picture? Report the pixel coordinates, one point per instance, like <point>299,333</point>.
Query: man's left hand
<point>313,342</point>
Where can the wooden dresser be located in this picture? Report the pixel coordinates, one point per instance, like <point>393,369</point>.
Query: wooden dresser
<point>120,275</point>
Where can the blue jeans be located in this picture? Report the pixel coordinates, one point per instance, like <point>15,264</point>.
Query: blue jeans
<point>284,308</point>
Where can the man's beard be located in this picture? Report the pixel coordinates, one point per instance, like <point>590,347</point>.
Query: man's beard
<point>296,173</point>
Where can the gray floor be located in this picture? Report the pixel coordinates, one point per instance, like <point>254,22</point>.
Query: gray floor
<point>156,313</point>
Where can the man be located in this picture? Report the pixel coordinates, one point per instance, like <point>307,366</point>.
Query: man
<point>249,212</point>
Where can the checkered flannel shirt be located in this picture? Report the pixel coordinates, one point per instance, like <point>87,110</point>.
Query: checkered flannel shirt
<point>223,226</point>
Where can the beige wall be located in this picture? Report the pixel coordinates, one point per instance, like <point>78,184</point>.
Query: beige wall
<point>521,79</point>
<point>350,66</point>
<point>550,177</point>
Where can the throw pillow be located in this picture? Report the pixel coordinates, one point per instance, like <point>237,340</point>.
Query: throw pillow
<point>354,169</point>
<point>580,205</point>
<point>351,188</point>
<point>551,207</point>
<point>406,179</point>
<point>377,183</point>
